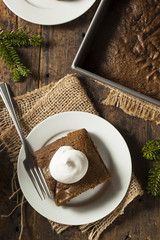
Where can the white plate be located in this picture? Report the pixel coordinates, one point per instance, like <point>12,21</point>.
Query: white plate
<point>95,203</point>
<point>49,12</point>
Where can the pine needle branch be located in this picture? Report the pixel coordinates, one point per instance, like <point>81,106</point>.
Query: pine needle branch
<point>20,38</point>
<point>151,151</point>
<point>9,40</point>
<point>154,179</point>
<point>12,60</point>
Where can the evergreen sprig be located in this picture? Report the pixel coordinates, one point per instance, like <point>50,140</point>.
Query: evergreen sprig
<point>9,40</point>
<point>151,151</point>
<point>154,179</point>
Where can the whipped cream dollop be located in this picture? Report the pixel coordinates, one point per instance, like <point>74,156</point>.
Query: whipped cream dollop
<point>68,165</point>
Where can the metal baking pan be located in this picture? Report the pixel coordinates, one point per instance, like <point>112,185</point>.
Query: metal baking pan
<point>78,62</point>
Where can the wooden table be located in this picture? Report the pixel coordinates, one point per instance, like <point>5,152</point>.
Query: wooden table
<point>48,63</point>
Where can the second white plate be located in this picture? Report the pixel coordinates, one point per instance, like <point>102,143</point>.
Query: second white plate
<point>49,12</point>
<point>95,203</point>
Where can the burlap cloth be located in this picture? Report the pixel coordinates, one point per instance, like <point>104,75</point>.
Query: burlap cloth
<point>68,95</point>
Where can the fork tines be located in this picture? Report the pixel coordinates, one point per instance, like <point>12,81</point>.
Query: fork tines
<point>38,180</point>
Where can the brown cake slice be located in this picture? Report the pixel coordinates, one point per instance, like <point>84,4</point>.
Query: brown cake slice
<point>97,172</point>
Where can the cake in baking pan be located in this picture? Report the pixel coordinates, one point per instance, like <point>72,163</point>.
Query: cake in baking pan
<point>126,47</point>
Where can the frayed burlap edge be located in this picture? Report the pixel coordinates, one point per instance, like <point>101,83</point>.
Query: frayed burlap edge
<point>133,106</point>
<point>130,104</point>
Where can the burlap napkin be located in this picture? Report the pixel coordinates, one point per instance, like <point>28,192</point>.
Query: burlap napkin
<point>34,107</point>
<point>132,105</point>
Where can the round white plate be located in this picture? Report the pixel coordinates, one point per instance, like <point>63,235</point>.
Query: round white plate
<point>95,203</point>
<point>49,12</point>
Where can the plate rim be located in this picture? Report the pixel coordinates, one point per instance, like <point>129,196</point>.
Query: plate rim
<point>96,116</point>
<point>38,20</point>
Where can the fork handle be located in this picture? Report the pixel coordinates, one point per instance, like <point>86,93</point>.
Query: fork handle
<point>4,92</point>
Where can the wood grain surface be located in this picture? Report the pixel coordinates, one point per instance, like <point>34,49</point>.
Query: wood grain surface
<point>48,63</point>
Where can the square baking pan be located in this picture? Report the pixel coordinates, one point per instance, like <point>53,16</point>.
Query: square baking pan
<point>79,62</point>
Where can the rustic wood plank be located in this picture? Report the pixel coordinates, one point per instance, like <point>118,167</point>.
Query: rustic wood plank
<point>60,45</point>
<point>30,57</point>
<point>8,21</point>
<point>8,225</point>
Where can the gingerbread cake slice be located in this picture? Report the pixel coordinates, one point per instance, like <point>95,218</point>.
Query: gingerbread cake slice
<point>96,174</point>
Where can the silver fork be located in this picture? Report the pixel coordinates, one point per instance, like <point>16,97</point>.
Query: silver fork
<point>30,163</point>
